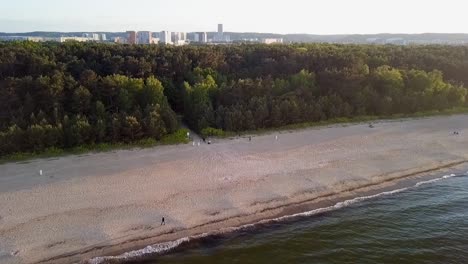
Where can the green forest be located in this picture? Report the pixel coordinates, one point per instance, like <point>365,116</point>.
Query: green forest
<point>72,94</point>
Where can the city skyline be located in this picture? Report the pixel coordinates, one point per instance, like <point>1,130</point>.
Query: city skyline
<point>297,16</point>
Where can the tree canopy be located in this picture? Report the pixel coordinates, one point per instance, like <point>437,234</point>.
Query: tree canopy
<point>70,94</point>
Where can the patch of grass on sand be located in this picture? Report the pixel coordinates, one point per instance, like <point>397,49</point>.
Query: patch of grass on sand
<point>212,132</point>
<point>178,137</point>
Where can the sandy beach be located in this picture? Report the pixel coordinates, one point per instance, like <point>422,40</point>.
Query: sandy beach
<point>109,203</point>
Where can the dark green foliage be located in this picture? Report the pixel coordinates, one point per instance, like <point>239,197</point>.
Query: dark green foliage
<point>67,95</point>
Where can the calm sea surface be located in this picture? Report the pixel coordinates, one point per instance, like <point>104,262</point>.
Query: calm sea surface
<point>427,223</point>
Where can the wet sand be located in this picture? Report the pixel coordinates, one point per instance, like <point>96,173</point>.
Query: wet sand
<point>109,203</point>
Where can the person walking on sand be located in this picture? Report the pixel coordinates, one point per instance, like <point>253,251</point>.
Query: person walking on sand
<point>163,222</point>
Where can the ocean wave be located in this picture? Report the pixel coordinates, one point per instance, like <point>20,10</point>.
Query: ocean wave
<point>153,249</point>
<point>165,247</point>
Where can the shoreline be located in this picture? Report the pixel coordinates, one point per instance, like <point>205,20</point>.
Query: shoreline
<point>280,213</point>
<point>106,204</point>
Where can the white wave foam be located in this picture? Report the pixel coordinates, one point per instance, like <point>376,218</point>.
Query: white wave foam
<point>436,180</point>
<point>158,248</point>
<point>449,176</point>
<point>167,246</point>
<point>430,181</point>
<point>153,249</point>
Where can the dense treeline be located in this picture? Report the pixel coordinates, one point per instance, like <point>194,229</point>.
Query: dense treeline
<point>67,95</point>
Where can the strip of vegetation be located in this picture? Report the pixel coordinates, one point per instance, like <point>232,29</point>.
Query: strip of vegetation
<point>179,137</point>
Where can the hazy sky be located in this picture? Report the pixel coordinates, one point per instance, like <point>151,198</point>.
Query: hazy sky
<point>277,16</point>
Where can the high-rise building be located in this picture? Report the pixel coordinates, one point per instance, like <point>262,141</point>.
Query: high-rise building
<point>102,37</point>
<point>131,37</point>
<point>144,37</point>
<point>201,37</point>
<point>220,36</point>
<point>179,36</point>
<point>165,37</point>
<point>204,37</point>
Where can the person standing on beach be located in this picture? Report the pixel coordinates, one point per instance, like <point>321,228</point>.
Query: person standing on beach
<point>163,222</point>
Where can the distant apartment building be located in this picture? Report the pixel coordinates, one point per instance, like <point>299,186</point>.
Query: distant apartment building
<point>91,36</point>
<point>102,37</point>
<point>144,37</point>
<point>120,40</point>
<point>226,38</point>
<point>179,38</point>
<point>271,40</point>
<point>165,37</point>
<point>131,37</point>
<point>78,39</point>
<point>201,37</point>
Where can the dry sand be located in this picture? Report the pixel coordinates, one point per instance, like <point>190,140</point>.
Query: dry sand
<point>109,203</point>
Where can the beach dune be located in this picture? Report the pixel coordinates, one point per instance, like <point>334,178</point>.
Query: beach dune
<point>108,203</point>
